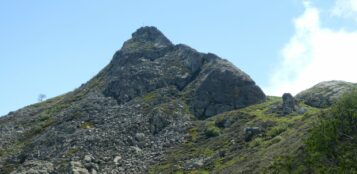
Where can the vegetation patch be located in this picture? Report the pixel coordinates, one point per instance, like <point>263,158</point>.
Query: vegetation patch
<point>87,125</point>
<point>71,152</point>
<point>331,146</point>
<point>150,97</point>
<point>277,130</point>
<point>211,130</point>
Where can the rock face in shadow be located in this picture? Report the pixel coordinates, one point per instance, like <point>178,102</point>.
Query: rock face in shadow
<point>324,94</point>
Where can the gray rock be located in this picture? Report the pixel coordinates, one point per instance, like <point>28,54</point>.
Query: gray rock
<point>194,163</point>
<point>250,132</point>
<point>324,94</point>
<point>136,149</point>
<point>223,87</point>
<point>76,167</point>
<point>88,158</point>
<point>140,136</point>
<point>117,159</point>
<point>289,104</point>
<point>302,110</point>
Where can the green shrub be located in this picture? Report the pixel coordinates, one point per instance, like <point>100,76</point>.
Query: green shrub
<point>257,142</point>
<point>277,130</point>
<point>331,146</point>
<point>212,131</point>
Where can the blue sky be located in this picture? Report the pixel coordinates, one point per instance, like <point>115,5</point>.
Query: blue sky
<point>52,47</point>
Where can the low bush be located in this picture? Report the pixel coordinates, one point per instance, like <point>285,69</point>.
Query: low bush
<point>331,146</point>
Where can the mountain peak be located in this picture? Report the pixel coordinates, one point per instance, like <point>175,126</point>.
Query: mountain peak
<point>149,61</point>
<point>150,34</point>
<point>146,39</point>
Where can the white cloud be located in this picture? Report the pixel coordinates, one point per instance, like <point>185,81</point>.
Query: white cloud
<point>314,54</point>
<point>345,8</point>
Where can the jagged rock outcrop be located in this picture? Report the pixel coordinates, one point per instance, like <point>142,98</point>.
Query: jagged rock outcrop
<point>324,94</point>
<point>150,61</point>
<point>126,117</point>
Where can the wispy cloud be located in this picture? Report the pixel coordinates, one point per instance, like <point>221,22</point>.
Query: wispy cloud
<point>315,53</point>
<point>345,8</point>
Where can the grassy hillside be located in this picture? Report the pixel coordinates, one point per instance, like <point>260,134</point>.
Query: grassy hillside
<point>318,141</point>
<point>331,146</point>
<point>219,145</point>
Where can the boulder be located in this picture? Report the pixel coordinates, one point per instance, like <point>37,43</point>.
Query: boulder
<point>250,132</point>
<point>76,167</point>
<point>289,104</point>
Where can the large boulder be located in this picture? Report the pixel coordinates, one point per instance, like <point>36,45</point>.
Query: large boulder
<point>289,104</point>
<point>223,87</point>
<point>324,94</point>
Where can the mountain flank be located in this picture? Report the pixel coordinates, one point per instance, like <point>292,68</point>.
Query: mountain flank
<point>127,116</point>
<point>160,108</point>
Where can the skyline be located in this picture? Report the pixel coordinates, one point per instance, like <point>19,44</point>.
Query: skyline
<point>52,48</point>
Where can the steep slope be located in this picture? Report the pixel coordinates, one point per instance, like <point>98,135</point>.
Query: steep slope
<point>125,119</point>
<point>249,140</point>
<point>330,146</point>
<point>256,139</point>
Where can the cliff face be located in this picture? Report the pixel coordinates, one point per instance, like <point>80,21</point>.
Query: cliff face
<point>124,119</point>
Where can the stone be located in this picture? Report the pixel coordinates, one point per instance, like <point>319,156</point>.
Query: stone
<point>140,137</point>
<point>88,158</point>
<point>76,167</point>
<point>250,132</point>
<point>194,163</point>
<point>289,104</point>
<point>136,149</point>
<point>117,159</point>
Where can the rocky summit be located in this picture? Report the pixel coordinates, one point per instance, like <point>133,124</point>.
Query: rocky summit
<point>125,119</point>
